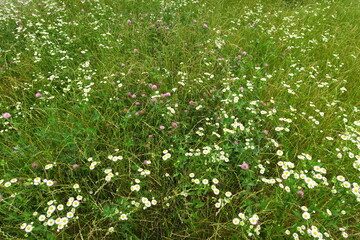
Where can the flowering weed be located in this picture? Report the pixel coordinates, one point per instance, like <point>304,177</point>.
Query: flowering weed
<point>179,119</point>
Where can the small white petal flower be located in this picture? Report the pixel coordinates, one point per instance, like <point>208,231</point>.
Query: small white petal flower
<point>28,228</point>
<point>236,221</point>
<point>306,215</point>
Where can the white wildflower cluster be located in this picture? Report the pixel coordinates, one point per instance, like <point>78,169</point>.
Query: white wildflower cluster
<point>136,186</point>
<point>200,131</point>
<point>115,158</point>
<point>304,156</point>
<point>50,165</point>
<point>144,172</point>
<point>171,110</point>
<point>355,188</point>
<point>93,163</point>
<point>56,214</point>
<point>145,201</point>
<point>242,220</point>
<point>166,155</point>
<point>262,168</point>
<point>206,150</point>
<point>109,174</point>
<point>221,202</point>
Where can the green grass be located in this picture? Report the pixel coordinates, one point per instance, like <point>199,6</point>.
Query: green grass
<point>216,84</point>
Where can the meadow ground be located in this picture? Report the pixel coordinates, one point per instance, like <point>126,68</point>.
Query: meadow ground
<point>183,119</point>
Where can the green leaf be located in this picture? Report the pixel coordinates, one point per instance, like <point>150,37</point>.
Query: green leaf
<point>200,204</point>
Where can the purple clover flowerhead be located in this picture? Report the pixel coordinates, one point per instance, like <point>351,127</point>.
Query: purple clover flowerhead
<point>75,166</point>
<point>6,115</point>
<point>301,193</point>
<point>244,166</point>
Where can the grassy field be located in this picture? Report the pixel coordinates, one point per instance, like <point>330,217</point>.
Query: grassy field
<point>183,119</point>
